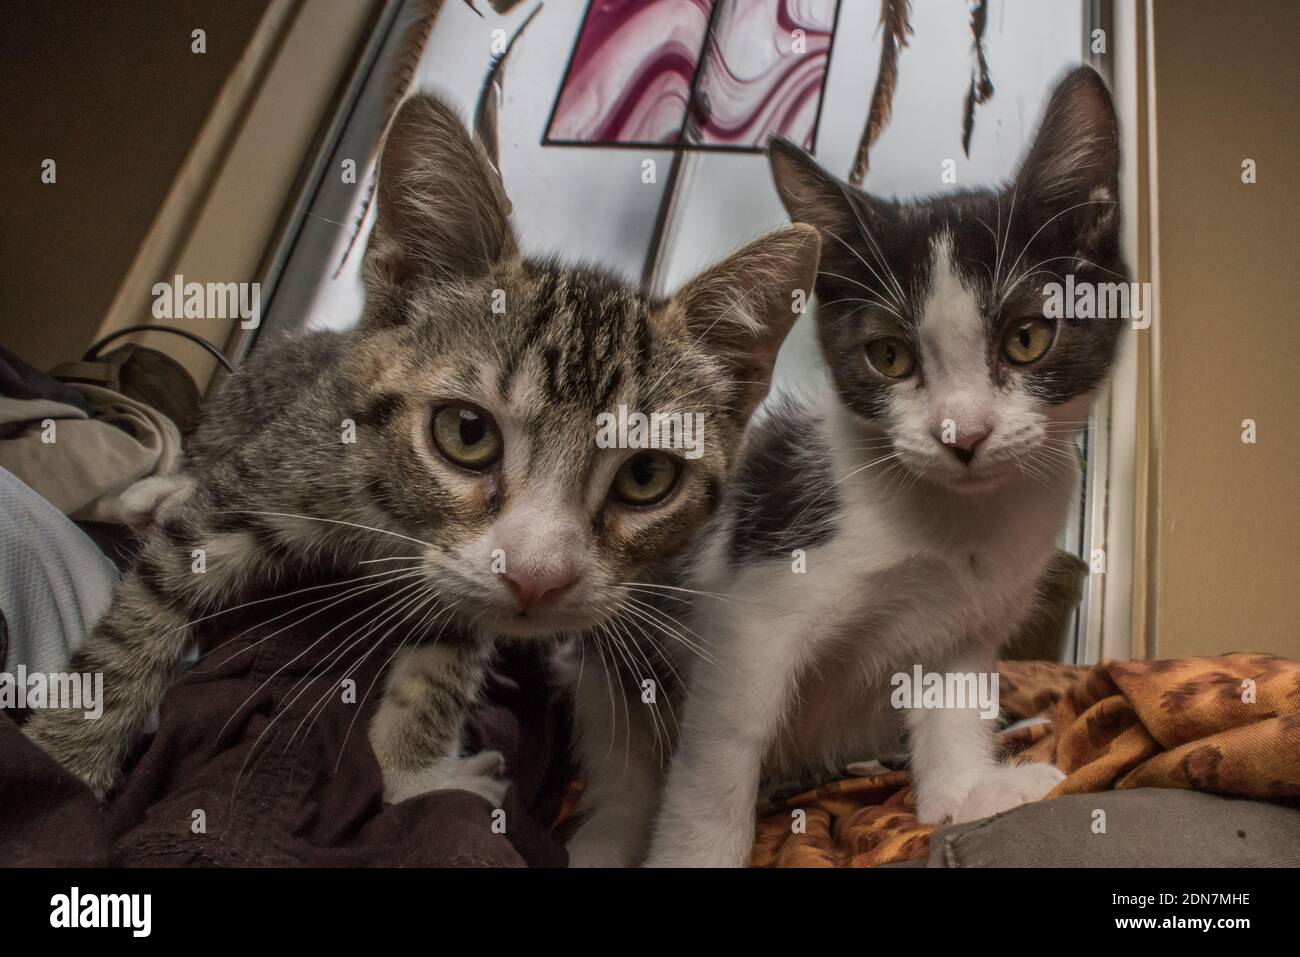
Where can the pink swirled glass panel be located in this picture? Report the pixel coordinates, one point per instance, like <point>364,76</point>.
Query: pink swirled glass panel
<point>763,73</point>
<point>631,74</point>
<point>641,73</point>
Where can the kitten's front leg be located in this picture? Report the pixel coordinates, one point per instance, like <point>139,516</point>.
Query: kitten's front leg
<point>954,765</point>
<point>140,644</point>
<point>138,647</point>
<point>416,732</point>
<point>707,817</point>
<point>950,748</point>
<point>734,709</point>
<point>620,761</point>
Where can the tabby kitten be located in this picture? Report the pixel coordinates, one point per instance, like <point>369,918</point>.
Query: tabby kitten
<point>922,496</point>
<point>472,384</point>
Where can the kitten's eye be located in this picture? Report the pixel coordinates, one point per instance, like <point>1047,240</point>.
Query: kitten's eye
<point>646,478</point>
<point>891,357</point>
<point>466,436</point>
<point>1028,340</point>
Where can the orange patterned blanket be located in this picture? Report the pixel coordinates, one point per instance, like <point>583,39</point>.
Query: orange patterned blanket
<point>1228,724</point>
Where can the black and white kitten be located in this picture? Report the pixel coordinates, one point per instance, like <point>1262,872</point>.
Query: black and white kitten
<point>920,499</point>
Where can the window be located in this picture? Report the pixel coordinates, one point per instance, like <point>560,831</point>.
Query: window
<point>585,201</point>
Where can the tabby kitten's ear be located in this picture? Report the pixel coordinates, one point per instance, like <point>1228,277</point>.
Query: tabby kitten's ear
<point>441,212</point>
<point>1071,171</point>
<point>742,308</point>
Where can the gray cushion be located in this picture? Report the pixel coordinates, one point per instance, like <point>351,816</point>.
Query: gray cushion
<point>1144,827</point>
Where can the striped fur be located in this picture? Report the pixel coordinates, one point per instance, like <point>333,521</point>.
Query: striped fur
<point>276,495</point>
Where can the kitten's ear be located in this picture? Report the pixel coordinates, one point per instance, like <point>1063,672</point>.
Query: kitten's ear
<point>742,308</point>
<point>440,213</point>
<point>1075,157</point>
<point>808,193</point>
<point>812,195</point>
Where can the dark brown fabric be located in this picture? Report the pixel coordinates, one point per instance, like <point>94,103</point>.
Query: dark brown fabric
<point>47,818</point>
<point>286,804</point>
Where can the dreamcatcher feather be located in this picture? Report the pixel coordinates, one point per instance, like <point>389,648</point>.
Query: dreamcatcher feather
<point>896,27</point>
<point>981,86</point>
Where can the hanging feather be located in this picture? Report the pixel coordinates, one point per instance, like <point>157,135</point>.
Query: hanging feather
<point>489,99</point>
<point>896,27</point>
<point>981,86</point>
<point>406,62</point>
<point>503,7</point>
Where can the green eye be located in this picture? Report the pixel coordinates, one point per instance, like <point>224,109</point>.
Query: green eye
<point>891,357</point>
<point>467,437</point>
<point>646,478</point>
<point>1028,340</point>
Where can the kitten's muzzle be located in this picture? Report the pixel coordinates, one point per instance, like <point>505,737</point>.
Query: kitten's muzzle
<point>964,446</point>
<point>531,590</point>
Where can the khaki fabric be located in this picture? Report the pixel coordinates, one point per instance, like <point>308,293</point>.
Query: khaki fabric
<point>93,459</point>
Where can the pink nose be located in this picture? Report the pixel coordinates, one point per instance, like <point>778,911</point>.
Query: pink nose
<point>965,444</point>
<point>529,589</point>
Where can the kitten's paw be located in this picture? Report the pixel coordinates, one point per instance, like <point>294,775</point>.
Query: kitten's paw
<point>482,774</point>
<point>1006,787</point>
<point>75,757</point>
<point>940,805</point>
<point>149,502</point>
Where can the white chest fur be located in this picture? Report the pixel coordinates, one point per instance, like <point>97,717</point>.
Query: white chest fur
<point>914,574</point>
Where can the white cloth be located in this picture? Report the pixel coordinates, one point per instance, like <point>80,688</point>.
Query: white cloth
<point>93,458</point>
<point>54,582</point>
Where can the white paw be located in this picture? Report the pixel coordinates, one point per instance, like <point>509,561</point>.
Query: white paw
<point>1006,787</point>
<point>149,501</point>
<point>939,805</point>
<point>482,774</point>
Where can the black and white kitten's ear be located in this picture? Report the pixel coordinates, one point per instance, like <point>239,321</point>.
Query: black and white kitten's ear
<point>1074,161</point>
<point>741,309</point>
<point>441,213</point>
<point>808,193</point>
<point>812,195</point>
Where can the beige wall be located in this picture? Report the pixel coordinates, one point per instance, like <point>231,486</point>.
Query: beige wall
<point>168,161</point>
<point>113,93</point>
<point>238,183</point>
<point>1225,521</point>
